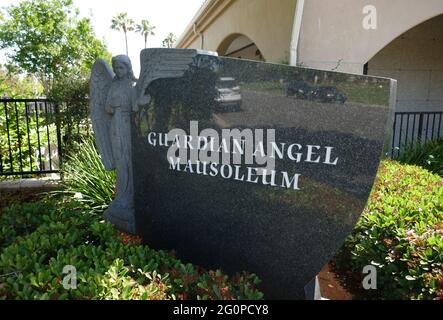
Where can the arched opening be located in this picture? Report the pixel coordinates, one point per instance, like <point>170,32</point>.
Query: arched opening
<point>241,47</point>
<point>415,59</point>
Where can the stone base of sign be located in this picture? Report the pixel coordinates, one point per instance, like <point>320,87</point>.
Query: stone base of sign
<point>115,216</point>
<point>312,290</point>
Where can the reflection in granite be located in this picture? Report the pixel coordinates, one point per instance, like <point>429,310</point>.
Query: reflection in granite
<point>283,235</point>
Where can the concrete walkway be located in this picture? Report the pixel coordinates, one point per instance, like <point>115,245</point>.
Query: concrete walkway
<point>41,184</point>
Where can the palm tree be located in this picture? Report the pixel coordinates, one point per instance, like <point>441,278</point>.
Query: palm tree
<point>122,22</point>
<point>169,41</point>
<point>145,29</point>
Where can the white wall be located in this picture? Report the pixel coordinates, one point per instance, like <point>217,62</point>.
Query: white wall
<point>267,23</point>
<point>415,59</point>
<point>334,36</point>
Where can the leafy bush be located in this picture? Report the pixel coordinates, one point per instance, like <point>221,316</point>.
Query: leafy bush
<point>87,179</point>
<point>14,86</point>
<point>401,233</point>
<point>108,266</point>
<point>15,222</point>
<point>428,155</point>
<point>70,92</point>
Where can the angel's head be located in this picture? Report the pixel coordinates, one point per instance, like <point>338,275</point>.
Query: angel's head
<point>122,67</point>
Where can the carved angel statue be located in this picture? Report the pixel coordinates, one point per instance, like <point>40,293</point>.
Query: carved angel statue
<point>113,100</point>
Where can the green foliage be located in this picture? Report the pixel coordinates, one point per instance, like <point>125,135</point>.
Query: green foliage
<point>18,220</point>
<point>47,38</point>
<point>70,92</point>
<point>122,22</point>
<point>401,232</point>
<point>16,120</point>
<point>59,234</point>
<point>86,178</point>
<point>13,86</point>
<point>119,284</point>
<point>428,155</point>
<point>169,41</point>
<point>145,29</point>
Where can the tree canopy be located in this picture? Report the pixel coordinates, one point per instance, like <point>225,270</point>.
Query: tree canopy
<point>169,41</point>
<point>47,38</point>
<point>14,86</point>
<point>122,22</point>
<point>145,28</point>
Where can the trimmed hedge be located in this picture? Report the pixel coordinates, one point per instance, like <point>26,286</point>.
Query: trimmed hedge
<point>39,239</point>
<point>401,233</point>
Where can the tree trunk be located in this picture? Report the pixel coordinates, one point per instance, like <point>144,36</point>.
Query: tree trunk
<point>126,40</point>
<point>146,39</point>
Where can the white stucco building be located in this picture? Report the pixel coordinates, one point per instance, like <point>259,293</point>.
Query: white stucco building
<point>401,39</point>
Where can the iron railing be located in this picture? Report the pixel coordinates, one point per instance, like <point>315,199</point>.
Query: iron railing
<point>412,128</point>
<point>30,137</point>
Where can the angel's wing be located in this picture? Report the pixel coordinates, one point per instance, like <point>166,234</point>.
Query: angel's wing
<point>160,63</point>
<point>100,82</point>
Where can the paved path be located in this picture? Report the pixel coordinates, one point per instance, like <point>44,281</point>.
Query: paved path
<point>42,184</point>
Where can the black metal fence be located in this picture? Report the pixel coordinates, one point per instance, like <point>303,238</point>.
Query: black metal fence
<point>30,137</point>
<point>412,128</point>
<point>35,134</point>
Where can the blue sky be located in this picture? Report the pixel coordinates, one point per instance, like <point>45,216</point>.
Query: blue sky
<point>167,15</point>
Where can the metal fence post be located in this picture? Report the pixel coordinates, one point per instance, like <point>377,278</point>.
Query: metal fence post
<point>58,124</point>
<point>420,128</point>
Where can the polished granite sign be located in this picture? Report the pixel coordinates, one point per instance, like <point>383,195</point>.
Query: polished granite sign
<point>244,165</point>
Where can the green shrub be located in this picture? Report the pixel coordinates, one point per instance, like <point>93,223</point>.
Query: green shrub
<point>428,155</point>
<point>86,178</point>
<point>70,92</point>
<point>401,233</point>
<point>32,262</point>
<point>22,219</point>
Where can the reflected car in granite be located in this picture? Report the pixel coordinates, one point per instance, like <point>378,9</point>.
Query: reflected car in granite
<point>302,90</point>
<point>328,94</point>
<point>229,95</point>
<point>299,89</point>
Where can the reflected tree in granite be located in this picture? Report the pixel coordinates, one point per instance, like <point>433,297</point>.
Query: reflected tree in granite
<point>177,101</point>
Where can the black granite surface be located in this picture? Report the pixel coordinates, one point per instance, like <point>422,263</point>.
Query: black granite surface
<point>285,236</point>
